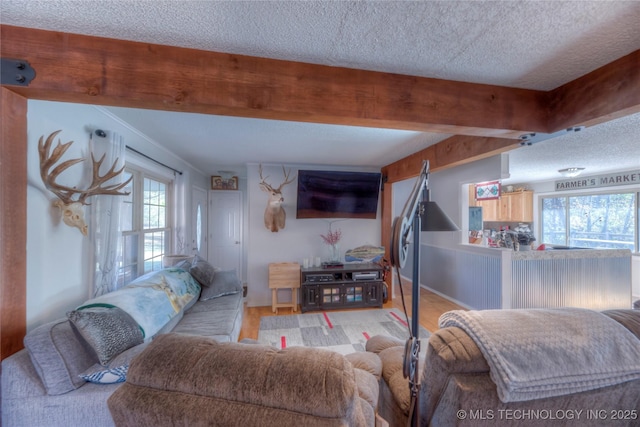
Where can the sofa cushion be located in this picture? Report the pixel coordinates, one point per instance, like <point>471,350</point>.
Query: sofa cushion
<point>368,387</point>
<point>108,330</point>
<point>224,282</point>
<point>377,343</point>
<point>219,318</point>
<point>392,363</point>
<point>202,271</point>
<point>222,379</point>
<point>366,361</point>
<point>58,356</point>
<point>228,302</point>
<point>185,264</point>
<point>107,376</point>
<point>630,319</point>
<point>123,359</point>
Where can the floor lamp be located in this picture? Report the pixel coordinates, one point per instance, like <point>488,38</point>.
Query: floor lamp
<point>419,214</point>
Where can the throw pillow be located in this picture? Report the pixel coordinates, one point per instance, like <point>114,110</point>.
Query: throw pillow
<point>224,283</point>
<point>202,271</point>
<point>59,356</point>
<point>184,265</point>
<point>107,376</point>
<point>108,330</point>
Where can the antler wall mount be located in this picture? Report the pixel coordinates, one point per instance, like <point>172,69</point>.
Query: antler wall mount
<point>73,210</point>
<point>274,214</point>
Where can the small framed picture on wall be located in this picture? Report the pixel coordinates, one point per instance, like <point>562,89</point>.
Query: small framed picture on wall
<point>488,190</point>
<point>219,183</point>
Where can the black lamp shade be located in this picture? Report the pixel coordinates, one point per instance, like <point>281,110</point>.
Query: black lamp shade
<point>434,218</point>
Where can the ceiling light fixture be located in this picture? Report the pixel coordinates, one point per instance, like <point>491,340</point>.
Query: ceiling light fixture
<point>571,172</point>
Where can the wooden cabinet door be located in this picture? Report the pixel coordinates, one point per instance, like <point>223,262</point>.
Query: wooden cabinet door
<point>521,206</point>
<point>504,207</point>
<point>331,296</point>
<point>490,211</point>
<point>310,297</point>
<point>510,207</point>
<point>374,294</point>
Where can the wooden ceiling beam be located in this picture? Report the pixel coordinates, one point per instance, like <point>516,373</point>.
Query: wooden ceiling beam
<point>608,93</point>
<point>453,151</point>
<point>101,71</point>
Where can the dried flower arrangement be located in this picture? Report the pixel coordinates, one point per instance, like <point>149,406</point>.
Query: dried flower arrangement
<point>332,237</point>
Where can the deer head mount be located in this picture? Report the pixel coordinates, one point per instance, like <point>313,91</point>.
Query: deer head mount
<point>72,210</point>
<point>274,214</point>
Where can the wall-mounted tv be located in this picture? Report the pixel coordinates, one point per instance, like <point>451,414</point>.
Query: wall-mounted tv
<point>337,194</point>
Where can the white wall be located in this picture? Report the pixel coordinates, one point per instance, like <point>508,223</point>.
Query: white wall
<point>58,276</point>
<point>447,190</point>
<point>299,239</point>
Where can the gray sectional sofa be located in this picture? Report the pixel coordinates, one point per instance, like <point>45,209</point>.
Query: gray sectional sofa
<point>42,384</point>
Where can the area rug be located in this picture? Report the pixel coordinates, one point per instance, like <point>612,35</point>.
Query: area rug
<point>341,331</point>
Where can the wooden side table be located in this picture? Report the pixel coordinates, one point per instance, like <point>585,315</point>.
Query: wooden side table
<point>284,275</point>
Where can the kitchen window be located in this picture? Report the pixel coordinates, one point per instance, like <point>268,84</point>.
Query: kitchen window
<point>599,220</point>
<point>145,225</point>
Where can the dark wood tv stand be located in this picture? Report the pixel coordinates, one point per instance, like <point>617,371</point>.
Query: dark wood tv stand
<point>350,286</point>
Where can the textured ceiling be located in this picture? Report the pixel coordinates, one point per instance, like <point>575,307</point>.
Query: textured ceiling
<point>529,44</point>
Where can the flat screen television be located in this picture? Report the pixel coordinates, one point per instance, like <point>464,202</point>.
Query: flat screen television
<point>337,194</point>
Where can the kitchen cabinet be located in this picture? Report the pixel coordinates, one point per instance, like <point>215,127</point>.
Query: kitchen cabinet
<point>510,207</point>
<point>520,206</point>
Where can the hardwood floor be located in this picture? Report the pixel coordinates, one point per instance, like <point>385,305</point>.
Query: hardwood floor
<point>431,307</point>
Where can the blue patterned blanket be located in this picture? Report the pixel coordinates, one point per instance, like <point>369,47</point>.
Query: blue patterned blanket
<point>153,299</point>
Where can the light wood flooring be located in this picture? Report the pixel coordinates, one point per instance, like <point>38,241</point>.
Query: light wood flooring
<point>431,307</point>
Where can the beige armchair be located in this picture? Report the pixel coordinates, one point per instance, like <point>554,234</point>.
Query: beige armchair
<point>190,381</point>
<point>455,377</point>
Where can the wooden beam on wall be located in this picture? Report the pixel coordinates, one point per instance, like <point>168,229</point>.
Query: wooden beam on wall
<point>94,70</point>
<point>13,222</point>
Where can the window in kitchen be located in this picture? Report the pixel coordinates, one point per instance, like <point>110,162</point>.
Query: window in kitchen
<point>145,224</point>
<point>591,220</point>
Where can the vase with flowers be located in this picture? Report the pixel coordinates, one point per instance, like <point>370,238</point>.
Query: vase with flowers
<point>331,239</point>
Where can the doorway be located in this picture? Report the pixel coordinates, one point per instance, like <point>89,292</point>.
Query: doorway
<point>225,230</point>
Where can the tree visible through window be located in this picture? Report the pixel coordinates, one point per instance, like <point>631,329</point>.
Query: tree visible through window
<point>591,221</point>
<point>145,226</point>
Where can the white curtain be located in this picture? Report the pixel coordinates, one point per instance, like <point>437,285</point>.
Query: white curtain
<point>104,230</point>
<point>182,235</point>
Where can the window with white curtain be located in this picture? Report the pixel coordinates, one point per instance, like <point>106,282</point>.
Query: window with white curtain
<point>146,225</point>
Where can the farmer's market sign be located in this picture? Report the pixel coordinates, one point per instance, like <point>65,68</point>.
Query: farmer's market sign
<point>606,180</point>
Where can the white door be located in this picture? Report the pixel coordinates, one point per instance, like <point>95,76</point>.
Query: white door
<point>199,221</point>
<point>225,230</point>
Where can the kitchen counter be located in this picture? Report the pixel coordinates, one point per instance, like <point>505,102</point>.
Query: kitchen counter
<point>500,278</point>
<point>570,254</point>
<point>563,253</point>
